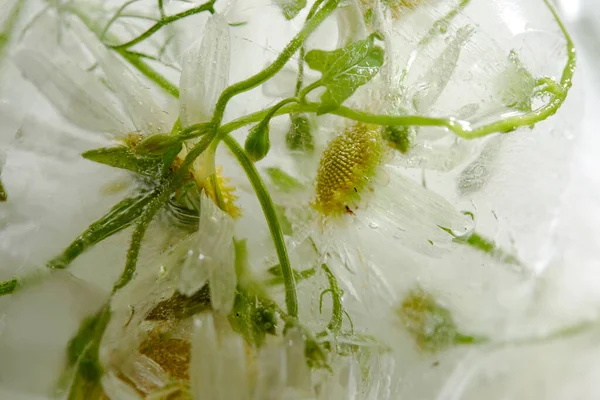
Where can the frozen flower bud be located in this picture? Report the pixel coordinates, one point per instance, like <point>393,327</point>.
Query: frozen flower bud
<point>398,137</point>
<point>299,137</point>
<point>257,143</point>
<point>430,323</point>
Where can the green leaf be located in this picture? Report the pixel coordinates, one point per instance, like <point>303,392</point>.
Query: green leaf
<point>158,144</point>
<point>124,158</point>
<point>118,218</point>
<point>291,8</point>
<point>81,379</point>
<point>257,143</point>
<point>286,225</point>
<point>3,196</point>
<point>283,180</point>
<point>430,323</point>
<point>299,137</point>
<point>7,287</point>
<point>516,84</point>
<point>345,70</point>
<point>180,306</point>
<point>485,245</point>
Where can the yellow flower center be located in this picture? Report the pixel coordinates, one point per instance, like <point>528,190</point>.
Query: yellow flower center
<point>346,168</point>
<point>226,192</point>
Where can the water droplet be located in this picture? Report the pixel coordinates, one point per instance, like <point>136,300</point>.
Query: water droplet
<point>373,225</point>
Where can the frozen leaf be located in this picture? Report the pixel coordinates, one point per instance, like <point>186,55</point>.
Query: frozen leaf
<point>137,98</point>
<point>430,323</point>
<point>205,72</point>
<point>516,84</point>
<point>180,306</point>
<point>438,76</point>
<point>118,218</point>
<point>76,94</point>
<point>477,174</point>
<point>398,137</point>
<point>124,158</point>
<point>291,8</point>
<point>284,181</point>
<point>159,144</point>
<point>485,245</point>
<point>345,70</point>
<point>299,137</point>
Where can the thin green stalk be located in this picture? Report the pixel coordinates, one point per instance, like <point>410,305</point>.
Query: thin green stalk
<point>438,26</point>
<point>136,61</point>
<point>300,77</point>
<point>115,16</point>
<point>276,66</point>
<point>268,207</point>
<point>136,243</point>
<point>208,6</point>
<point>161,8</point>
<point>3,195</point>
<point>11,22</point>
<point>7,287</point>
<point>337,313</point>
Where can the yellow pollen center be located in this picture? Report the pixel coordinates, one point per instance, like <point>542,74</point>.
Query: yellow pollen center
<point>346,168</point>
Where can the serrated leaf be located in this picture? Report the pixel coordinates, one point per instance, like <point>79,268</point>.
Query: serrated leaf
<point>291,8</point>
<point>124,158</point>
<point>284,181</point>
<point>345,70</point>
<point>118,218</point>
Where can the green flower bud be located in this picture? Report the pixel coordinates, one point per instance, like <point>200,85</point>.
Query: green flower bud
<point>257,143</point>
<point>299,137</point>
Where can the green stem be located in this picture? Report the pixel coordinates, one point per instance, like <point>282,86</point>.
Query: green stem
<point>136,243</point>
<point>7,287</point>
<point>3,195</point>
<point>300,78</point>
<point>115,17</point>
<point>270,212</point>
<point>337,313</point>
<point>136,61</point>
<point>208,6</point>
<point>276,66</point>
<point>161,8</point>
<point>11,22</point>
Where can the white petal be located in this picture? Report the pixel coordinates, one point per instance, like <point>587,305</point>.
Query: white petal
<point>137,98</point>
<point>212,258</point>
<point>232,369</point>
<point>435,80</point>
<point>298,373</point>
<point>272,373</point>
<point>116,389</point>
<point>414,215</point>
<point>204,359</point>
<point>205,72</point>
<point>218,367</point>
<point>75,93</point>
